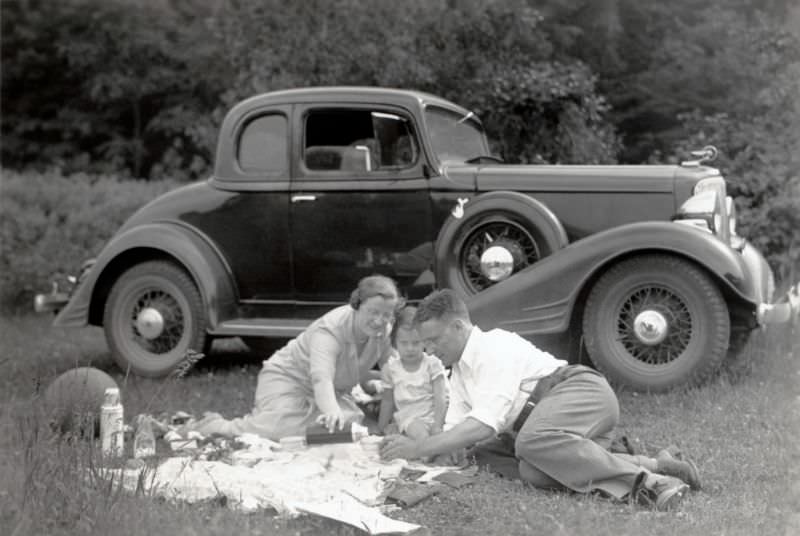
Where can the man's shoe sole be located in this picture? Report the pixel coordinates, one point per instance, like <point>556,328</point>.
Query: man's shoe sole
<point>670,498</point>
<point>694,481</point>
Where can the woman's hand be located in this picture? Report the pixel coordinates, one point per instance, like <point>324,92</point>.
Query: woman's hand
<point>332,421</point>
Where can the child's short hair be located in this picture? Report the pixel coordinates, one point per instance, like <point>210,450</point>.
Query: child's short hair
<point>404,318</point>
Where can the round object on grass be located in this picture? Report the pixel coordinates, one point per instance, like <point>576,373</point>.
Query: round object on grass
<point>72,401</point>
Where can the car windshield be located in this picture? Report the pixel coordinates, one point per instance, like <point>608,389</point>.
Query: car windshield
<point>455,137</point>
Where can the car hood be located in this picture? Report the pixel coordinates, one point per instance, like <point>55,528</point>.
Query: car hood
<point>558,178</point>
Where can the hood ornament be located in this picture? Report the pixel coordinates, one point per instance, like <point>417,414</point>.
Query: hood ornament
<point>458,210</point>
<point>706,154</point>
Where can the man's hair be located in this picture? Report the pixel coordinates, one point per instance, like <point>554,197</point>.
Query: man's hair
<point>374,285</point>
<point>404,319</point>
<point>441,304</point>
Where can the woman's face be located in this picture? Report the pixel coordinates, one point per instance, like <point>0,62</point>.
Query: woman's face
<point>374,316</point>
<point>409,345</point>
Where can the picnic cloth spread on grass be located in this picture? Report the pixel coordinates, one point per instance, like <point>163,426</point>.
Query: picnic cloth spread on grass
<point>339,481</point>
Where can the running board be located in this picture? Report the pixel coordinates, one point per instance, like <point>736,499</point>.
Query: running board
<point>261,327</point>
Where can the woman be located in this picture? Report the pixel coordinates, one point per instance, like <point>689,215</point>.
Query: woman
<point>309,380</point>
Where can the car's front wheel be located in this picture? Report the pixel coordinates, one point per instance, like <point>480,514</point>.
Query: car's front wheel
<point>656,322</point>
<point>153,316</point>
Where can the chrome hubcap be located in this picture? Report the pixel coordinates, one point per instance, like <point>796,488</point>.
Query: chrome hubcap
<point>497,263</point>
<point>650,327</point>
<point>150,323</point>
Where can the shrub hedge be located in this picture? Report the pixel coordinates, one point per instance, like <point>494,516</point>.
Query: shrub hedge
<point>50,223</point>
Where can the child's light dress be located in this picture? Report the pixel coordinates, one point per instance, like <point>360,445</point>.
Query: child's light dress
<point>413,391</point>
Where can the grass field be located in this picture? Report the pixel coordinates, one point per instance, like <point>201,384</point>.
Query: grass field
<point>743,430</point>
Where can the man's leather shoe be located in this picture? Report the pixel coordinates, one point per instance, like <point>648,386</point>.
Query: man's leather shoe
<point>685,470</point>
<point>662,491</point>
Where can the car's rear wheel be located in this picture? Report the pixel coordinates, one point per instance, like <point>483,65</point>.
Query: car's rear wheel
<point>656,322</point>
<point>499,235</point>
<point>153,316</point>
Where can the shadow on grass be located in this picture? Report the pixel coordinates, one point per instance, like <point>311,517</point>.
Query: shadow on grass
<point>232,353</point>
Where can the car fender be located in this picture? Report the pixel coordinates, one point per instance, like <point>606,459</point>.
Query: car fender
<point>541,298</point>
<point>189,248</point>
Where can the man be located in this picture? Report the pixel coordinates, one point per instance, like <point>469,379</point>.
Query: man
<point>563,415</point>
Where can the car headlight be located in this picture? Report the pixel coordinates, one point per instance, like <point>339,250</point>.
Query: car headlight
<point>731,210</point>
<point>700,211</point>
<point>708,208</point>
<point>736,241</point>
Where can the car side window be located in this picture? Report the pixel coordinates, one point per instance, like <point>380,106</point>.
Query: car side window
<point>263,145</point>
<point>361,141</point>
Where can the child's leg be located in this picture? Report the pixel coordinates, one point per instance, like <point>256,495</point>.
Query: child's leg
<point>417,429</point>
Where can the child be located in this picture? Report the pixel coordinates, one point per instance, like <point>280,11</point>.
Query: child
<point>415,386</point>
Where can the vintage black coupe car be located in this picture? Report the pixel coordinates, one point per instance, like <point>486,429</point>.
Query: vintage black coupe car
<point>635,268</point>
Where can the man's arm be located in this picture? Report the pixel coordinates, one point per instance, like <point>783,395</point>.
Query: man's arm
<point>464,434</point>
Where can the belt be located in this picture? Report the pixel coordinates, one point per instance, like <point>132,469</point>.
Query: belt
<point>544,386</point>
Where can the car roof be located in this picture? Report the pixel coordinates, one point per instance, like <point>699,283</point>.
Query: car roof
<point>348,94</point>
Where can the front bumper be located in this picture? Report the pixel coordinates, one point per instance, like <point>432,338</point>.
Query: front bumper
<point>57,299</point>
<point>50,303</point>
<point>769,308</point>
<point>786,309</point>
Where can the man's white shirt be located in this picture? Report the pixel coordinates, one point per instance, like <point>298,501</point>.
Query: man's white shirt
<point>494,377</point>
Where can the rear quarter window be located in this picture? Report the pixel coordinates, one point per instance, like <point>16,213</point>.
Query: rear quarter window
<point>263,145</point>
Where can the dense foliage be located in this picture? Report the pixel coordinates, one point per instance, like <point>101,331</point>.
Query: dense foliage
<point>50,223</point>
<point>138,89</point>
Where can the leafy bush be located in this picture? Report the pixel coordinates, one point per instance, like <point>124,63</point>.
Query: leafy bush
<point>50,223</point>
<point>139,88</point>
<point>496,58</point>
<point>107,87</point>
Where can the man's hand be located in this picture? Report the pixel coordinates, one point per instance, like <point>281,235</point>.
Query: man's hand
<point>398,446</point>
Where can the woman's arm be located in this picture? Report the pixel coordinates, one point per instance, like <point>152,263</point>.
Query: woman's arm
<point>324,351</point>
<point>439,404</point>
<point>371,382</point>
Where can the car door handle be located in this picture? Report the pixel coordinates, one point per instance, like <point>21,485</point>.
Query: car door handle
<point>299,198</point>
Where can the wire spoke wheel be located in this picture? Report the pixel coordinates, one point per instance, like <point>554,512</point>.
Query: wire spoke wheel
<point>153,317</point>
<point>679,325</point>
<point>168,308</point>
<point>511,236</point>
<point>655,322</point>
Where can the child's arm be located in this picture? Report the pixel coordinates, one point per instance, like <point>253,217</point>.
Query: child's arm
<point>439,404</point>
<point>387,409</point>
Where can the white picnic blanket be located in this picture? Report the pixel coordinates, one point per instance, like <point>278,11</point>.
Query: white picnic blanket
<point>339,481</point>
